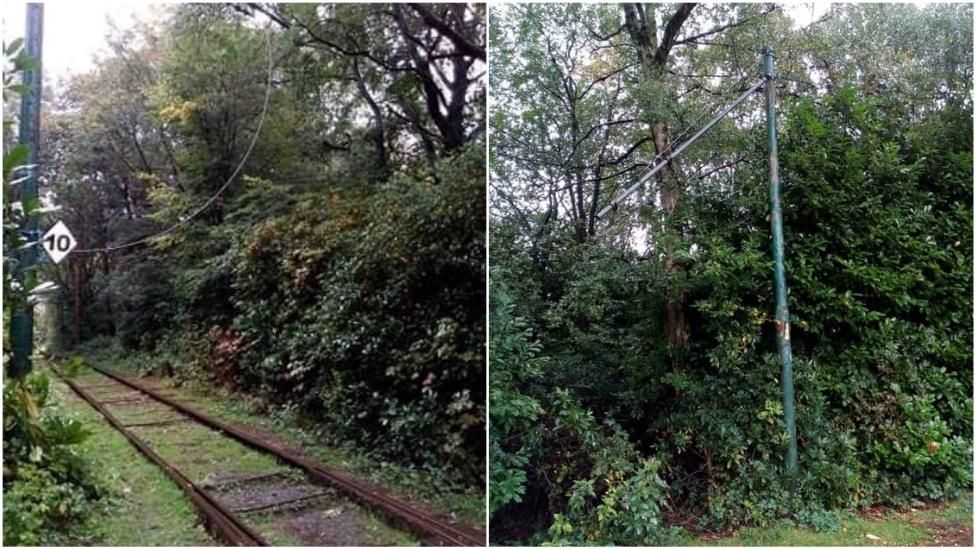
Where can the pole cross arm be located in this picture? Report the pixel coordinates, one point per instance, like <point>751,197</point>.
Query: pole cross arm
<point>681,148</point>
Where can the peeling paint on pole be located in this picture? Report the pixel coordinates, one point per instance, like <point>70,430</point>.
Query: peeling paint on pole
<point>779,271</point>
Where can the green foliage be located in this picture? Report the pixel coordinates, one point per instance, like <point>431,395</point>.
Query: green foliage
<point>877,191</point>
<point>40,506</point>
<point>47,485</point>
<point>599,492</point>
<point>629,513</point>
<point>366,309</point>
<point>515,362</point>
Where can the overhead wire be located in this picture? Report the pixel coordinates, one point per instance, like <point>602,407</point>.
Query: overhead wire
<point>221,189</point>
<point>672,141</point>
<point>653,164</point>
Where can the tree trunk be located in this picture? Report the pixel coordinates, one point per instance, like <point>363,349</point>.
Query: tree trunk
<point>653,55</point>
<point>109,326</point>
<point>77,302</point>
<point>643,33</point>
<point>379,121</point>
<point>676,325</point>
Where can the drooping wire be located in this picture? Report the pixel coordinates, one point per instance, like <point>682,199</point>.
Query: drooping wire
<point>220,191</point>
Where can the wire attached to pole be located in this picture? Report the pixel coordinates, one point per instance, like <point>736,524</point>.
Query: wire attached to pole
<point>657,166</point>
<point>220,191</point>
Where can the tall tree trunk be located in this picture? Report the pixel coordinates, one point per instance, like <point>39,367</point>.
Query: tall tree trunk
<point>676,325</point>
<point>653,54</point>
<point>77,304</point>
<point>109,325</point>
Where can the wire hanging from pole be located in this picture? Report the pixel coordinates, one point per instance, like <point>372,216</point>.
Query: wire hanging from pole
<point>220,191</point>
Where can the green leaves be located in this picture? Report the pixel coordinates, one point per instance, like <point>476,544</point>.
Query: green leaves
<point>46,485</point>
<point>877,175</point>
<point>364,307</point>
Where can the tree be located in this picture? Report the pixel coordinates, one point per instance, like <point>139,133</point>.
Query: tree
<point>665,332</point>
<point>423,58</point>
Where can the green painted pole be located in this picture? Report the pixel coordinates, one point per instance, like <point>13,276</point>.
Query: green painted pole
<point>21,318</point>
<point>779,270</point>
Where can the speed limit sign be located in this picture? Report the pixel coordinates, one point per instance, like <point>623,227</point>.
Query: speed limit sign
<point>58,242</point>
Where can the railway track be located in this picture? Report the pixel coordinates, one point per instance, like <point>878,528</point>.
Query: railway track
<point>250,491</point>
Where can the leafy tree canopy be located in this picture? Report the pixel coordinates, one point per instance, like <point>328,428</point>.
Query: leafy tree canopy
<point>634,379</point>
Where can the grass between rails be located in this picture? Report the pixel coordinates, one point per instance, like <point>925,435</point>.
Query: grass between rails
<point>145,507</point>
<point>468,507</point>
<point>418,486</point>
<point>948,524</point>
<point>200,453</point>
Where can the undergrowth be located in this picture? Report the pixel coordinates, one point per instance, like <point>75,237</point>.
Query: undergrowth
<point>48,488</point>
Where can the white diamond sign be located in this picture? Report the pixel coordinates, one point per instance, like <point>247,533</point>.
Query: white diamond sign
<point>58,242</point>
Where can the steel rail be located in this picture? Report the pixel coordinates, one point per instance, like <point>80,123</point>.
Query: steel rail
<point>680,149</point>
<point>419,522</point>
<point>221,521</point>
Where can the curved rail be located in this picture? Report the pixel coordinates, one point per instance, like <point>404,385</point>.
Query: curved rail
<point>218,518</point>
<point>425,525</point>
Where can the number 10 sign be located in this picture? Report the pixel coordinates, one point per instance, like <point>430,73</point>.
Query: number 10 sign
<point>58,242</point>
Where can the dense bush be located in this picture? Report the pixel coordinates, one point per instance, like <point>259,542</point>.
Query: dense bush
<point>878,219</point>
<point>369,311</point>
<point>542,442</point>
<point>879,222</point>
<point>47,486</point>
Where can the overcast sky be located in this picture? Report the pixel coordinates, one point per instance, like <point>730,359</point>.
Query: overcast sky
<point>73,31</point>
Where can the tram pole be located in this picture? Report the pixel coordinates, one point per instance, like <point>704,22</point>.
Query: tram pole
<point>21,318</point>
<point>779,270</point>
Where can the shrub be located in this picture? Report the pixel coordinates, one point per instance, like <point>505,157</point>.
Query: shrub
<point>367,308</point>
<point>47,486</point>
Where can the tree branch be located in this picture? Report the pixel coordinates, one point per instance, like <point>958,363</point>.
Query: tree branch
<point>722,28</point>
<point>671,32</point>
<point>459,41</point>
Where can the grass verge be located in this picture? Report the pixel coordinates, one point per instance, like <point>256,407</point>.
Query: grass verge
<point>948,524</point>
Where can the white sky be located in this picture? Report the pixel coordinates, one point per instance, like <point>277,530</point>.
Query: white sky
<point>74,32</point>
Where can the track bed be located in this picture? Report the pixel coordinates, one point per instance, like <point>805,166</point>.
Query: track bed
<point>252,491</point>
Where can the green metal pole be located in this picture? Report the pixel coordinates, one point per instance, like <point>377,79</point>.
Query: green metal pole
<point>21,319</point>
<point>779,270</point>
